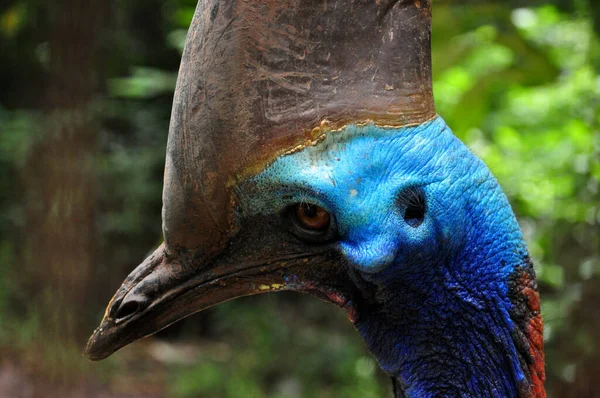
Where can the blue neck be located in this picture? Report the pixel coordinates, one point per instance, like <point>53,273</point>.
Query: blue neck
<point>438,337</point>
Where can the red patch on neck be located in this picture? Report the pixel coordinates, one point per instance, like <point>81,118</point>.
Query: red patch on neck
<point>535,334</point>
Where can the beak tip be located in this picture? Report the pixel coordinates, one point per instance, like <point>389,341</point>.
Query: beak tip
<point>93,353</point>
<point>90,349</point>
<point>96,348</point>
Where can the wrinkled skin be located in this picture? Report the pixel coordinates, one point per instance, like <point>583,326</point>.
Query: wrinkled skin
<point>447,304</point>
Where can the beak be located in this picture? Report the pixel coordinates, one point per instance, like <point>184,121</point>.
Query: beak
<point>161,291</point>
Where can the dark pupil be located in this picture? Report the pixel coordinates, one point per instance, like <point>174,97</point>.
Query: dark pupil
<point>309,210</point>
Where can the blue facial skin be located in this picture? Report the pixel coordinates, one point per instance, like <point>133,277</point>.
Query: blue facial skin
<point>439,322</point>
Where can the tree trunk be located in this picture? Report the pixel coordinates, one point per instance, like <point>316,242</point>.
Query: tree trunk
<point>60,189</point>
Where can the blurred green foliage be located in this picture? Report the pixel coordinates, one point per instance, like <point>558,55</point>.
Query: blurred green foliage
<point>520,86</point>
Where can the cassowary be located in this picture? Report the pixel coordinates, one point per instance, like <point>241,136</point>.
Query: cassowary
<point>305,154</point>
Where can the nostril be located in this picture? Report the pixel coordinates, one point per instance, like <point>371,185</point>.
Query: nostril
<point>413,201</point>
<point>127,309</point>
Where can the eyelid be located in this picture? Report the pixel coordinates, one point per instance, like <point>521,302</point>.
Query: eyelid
<point>300,194</point>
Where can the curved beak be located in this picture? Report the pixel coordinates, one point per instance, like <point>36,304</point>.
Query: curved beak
<point>162,290</point>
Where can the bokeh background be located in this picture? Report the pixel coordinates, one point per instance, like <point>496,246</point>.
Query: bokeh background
<point>85,97</point>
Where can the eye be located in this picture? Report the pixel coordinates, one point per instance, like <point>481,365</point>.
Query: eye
<point>310,222</point>
<point>412,199</point>
<point>312,216</point>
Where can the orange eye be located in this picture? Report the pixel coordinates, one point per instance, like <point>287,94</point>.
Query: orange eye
<point>312,217</point>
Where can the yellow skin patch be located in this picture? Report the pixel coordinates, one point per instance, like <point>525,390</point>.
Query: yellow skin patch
<point>274,286</point>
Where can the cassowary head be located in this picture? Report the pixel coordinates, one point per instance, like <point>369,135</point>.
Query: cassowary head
<point>305,154</point>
